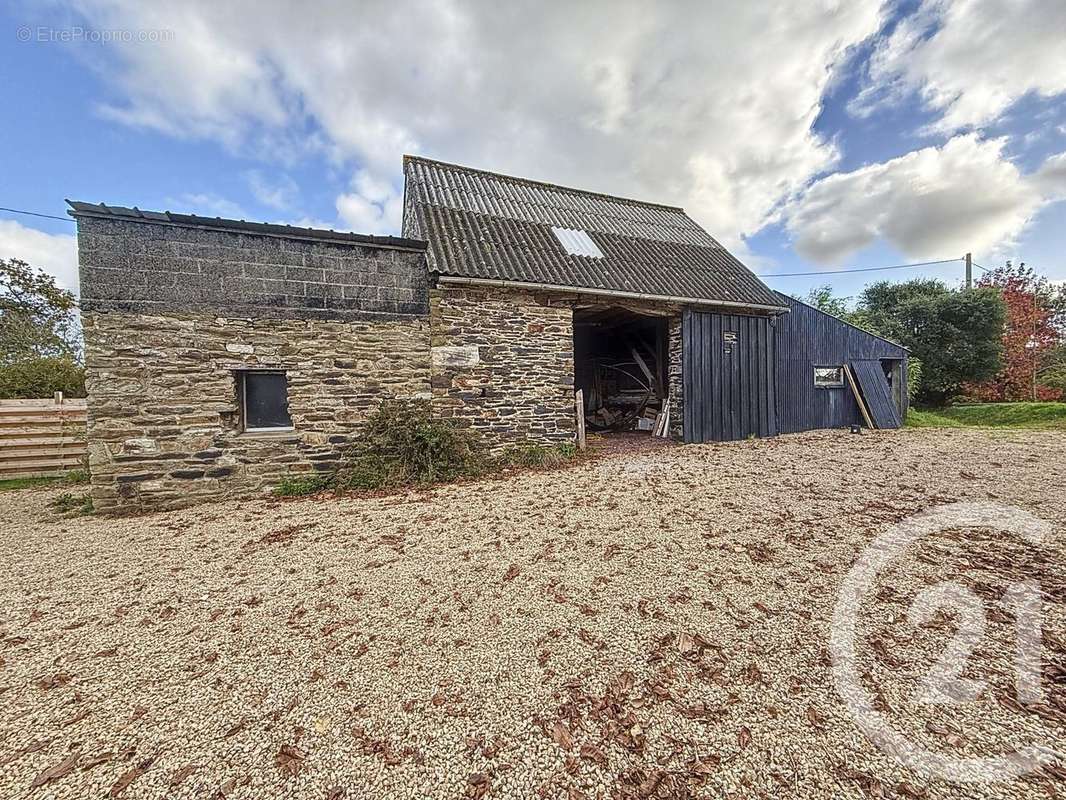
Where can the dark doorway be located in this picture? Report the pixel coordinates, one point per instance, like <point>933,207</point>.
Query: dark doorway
<point>897,384</point>
<point>620,365</point>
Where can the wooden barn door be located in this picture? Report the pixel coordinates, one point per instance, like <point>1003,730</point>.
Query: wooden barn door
<point>728,374</point>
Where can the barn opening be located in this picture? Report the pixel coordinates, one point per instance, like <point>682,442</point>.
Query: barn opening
<point>621,360</point>
<point>897,382</point>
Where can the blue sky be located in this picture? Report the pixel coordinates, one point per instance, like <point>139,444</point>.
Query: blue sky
<point>827,140</point>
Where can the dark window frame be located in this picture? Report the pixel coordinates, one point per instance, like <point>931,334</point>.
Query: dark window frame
<point>835,384</point>
<point>242,400</point>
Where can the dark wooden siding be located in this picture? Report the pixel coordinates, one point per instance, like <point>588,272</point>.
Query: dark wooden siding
<point>728,379</point>
<point>806,338</point>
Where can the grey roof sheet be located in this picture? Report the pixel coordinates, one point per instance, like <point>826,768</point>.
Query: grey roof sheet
<point>483,246</point>
<point>79,209</point>
<point>486,225</point>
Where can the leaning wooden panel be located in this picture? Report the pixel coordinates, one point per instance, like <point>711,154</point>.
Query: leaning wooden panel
<point>858,397</point>
<point>877,393</point>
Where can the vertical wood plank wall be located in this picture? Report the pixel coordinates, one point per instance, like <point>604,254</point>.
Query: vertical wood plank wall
<point>728,375</point>
<point>806,338</point>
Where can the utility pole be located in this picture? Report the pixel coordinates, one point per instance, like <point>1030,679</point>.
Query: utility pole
<point>1032,299</point>
<point>969,270</point>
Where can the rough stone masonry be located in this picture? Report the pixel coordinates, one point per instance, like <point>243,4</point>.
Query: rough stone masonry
<point>177,309</point>
<point>503,364</point>
<point>503,361</point>
<point>173,313</point>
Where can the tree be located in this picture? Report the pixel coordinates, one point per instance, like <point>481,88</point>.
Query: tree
<point>1034,329</point>
<point>954,334</point>
<point>1052,371</point>
<point>822,298</point>
<point>40,339</point>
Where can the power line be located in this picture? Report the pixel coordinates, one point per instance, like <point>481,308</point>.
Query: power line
<point>983,269</point>
<point>862,269</point>
<point>35,214</point>
<point>761,275</point>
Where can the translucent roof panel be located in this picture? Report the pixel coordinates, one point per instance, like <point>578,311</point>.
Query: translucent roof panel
<point>577,243</point>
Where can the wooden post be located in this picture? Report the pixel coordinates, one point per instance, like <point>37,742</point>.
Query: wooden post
<point>579,405</point>
<point>58,398</point>
<point>969,270</point>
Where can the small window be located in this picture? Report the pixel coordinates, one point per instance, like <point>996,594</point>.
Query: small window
<point>828,377</point>
<point>264,400</point>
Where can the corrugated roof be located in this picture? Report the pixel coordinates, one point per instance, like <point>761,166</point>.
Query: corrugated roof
<point>483,246</point>
<point>485,225</point>
<point>79,209</point>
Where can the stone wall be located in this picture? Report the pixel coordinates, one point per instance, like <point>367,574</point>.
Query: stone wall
<point>503,364</point>
<point>164,421</point>
<point>676,383</point>
<point>503,361</point>
<point>172,314</point>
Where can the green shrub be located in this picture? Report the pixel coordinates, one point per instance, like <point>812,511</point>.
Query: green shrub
<point>75,477</point>
<point>1055,378</point>
<point>914,377</point>
<point>367,471</point>
<point>301,485</point>
<point>404,444</point>
<point>42,377</point>
<point>568,450</point>
<point>72,505</point>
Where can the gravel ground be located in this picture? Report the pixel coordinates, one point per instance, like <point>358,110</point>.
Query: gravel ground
<point>643,625</point>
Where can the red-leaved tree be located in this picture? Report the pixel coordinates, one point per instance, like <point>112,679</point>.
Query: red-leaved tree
<point>1033,329</point>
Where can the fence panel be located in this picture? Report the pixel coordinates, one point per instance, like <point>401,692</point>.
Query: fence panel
<point>41,437</point>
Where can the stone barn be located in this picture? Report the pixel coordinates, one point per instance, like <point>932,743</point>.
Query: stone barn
<point>222,355</point>
<point>538,290</point>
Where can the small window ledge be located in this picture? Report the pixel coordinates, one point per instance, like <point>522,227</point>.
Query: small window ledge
<point>268,433</point>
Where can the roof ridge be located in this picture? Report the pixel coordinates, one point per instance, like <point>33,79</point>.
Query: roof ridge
<point>547,184</point>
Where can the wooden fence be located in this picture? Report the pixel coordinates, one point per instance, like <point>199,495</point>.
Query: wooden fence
<point>41,437</point>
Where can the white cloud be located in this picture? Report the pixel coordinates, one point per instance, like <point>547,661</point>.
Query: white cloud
<point>709,105</point>
<point>279,192</point>
<point>363,215</point>
<point>307,222</point>
<point>55,253</point>
<point>375,206</point>
<point>938,202</point>
<point>1050,179</point>
<point>970,61</point>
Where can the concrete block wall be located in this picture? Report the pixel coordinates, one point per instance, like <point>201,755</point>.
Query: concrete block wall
<point>146,267</point>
